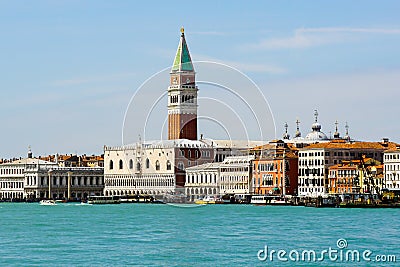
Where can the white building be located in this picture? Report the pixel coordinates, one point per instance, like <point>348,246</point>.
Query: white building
<point>236,175</point>
<point>202,180</point>
<point>154,167</point>
<point>13,175</point>
<point>391,162</point>
<point>29,179</point>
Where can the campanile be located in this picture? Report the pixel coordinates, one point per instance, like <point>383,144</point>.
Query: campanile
<point>182,95</point>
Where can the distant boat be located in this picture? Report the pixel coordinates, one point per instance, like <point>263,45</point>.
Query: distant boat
<point>47,202</point>
<point>104,200</point>
<point>259,200</point>
<point>269,200</point>
<point>84,203</point>
<point>209,200</point>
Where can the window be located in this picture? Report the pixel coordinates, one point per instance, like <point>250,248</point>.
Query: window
<point>168,165</point>
<point>121,164</point>
<point>181,166</point>
<point>138,166</point>
<point>147,163</point>
<point>111,165</point>
<point>130,164</point>
<point>157,165</point>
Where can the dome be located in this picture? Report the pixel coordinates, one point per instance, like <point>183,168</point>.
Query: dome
<point>316,126</point>
<point>316,135</point>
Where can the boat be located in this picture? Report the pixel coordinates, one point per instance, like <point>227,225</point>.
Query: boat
<point>278,201</point>
<point>209,200</point>
<point>258,200</point>
<point>104,200</point>
<point>269,200</point>
<point>47,202</point>
<point>228,199</point>
<point>322,202</point>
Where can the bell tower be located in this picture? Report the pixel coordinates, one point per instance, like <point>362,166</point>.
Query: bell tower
<point>182,95</point>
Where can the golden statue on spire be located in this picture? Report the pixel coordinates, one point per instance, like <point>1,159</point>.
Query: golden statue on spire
<point>182,30</point>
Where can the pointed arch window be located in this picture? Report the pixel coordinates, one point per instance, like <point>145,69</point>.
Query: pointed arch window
<point>130,164</point>
<point>147,163</point>
<point>121,164</point>
<point>111,165</point>
<point>168,165</point>
<point>157,165</point>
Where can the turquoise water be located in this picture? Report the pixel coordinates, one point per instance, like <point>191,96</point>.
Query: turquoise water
<point>164,235</point>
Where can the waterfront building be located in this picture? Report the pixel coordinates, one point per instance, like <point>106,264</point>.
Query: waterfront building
<point>272,163</point>
<point>12,177</point>
<point>152,167</point>
<point>315,160</point>
<point>343,178</point>
<point>355,176</point>
<point>83,182</point>
<point>202,180</point>
<point>374,178</point>
<point>29,178</point>
<point>391,163</point>
<point>236,176</point>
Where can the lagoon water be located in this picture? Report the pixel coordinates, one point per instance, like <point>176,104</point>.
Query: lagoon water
<point>213,235</point>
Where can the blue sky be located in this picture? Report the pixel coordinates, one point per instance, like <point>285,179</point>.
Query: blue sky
<point>69,68</point>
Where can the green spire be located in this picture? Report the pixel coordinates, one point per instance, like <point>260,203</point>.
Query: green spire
<point>182,61</point>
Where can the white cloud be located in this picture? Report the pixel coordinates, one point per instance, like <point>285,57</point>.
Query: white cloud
<point>309,37</point>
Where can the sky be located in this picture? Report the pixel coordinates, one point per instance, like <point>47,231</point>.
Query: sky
<point>70,68</point>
